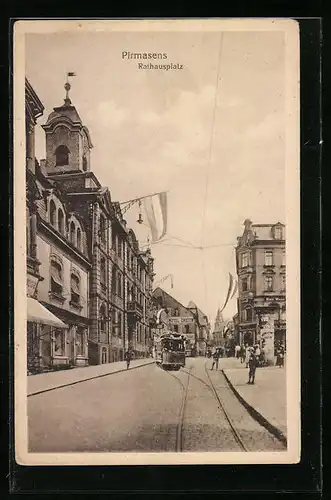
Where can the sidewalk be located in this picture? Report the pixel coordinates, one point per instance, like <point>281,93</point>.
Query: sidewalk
<point>266,398</point>
<point>53,380</point>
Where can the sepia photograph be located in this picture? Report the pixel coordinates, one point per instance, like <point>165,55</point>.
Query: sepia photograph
<point>157,242</point>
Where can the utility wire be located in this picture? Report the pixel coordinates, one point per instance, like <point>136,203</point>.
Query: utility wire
<point>211,136</point>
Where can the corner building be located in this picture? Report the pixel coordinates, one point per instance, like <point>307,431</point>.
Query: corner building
<point>261,270</point>
<point>115,322</point>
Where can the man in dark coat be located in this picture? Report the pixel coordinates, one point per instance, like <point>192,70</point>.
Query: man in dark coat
<point>216,357</point>
<point>252,364</point>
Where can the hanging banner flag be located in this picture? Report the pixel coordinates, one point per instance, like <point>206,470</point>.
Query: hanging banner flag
<point>156,213</point>
<point>231,281</point>
<point>235,288</point>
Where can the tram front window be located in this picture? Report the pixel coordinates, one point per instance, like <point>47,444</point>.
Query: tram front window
<point>173,345</point>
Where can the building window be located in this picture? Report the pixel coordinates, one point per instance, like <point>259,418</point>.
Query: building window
<point>80,341</point>
<point>176,312</point>
<point>244,284</point>
<point>72,233</point>
<point>60,217</point>
<point>75,290</point>
<point>102,320</point>
<point>187,328</point>
<point>278,233</point>
<point>268,258</point>
<point>52,213</point>
<point>102,228</point>
<point>84,163</point>
<point>119,284</point>
<point>62,156</point>
<point>103,271</point>
<point>128,258</point>
<point>268,283</point>
<point>244,259</point>
<point>59,342</point>
<point>119,324</point>
<point>176,328</point>
<point>284,258</point>
<point>79,239</point>
<point>56,278</point>
<point>283,282</point>
<point>119,247</point>
<point>249,314</point>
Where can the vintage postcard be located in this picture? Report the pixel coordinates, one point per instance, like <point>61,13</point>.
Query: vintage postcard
<point>156,242</point>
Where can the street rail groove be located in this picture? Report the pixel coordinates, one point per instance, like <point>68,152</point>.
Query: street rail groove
<point>85,379</point>
<point>274,431</point>
<point>180,426</point>
<point>250,410</point>
<point>227,416</point>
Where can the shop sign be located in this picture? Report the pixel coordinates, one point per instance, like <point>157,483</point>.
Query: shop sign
<point>176,320</point>
<point>274,299</point>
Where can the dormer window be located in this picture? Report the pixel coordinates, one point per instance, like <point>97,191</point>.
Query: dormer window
<point>278,233</point>
<point>62,156</point>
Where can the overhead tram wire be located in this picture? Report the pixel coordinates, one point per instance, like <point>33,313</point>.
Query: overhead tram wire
<point>209,161</point>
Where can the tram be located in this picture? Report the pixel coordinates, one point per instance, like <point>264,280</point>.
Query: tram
<point>170,351</point>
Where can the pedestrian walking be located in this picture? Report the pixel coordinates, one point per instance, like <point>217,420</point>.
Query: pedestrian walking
<point>258,354</point>
<point>127,357</point>
<point>280,356</point>
<point>247,354</point>
<point>242,353</point>
<point>237,351</point>
<point>252,363</point>
<point>216,356</point>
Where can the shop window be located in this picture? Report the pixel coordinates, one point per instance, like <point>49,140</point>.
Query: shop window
<point>62,156</point>
<point>75,290</point>
<point>268,258</point>
<point>52,213</point>
<point>59,342</point>
<point>268,283</point>
<point>56,278</point>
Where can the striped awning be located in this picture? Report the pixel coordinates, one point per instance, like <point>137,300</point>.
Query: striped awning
<point>37,313</point>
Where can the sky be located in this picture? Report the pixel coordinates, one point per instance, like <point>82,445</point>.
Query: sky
<point>216,144</point>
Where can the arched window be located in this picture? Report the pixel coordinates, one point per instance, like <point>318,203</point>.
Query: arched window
<point>79,239</point>
<point>60,217</point>
<point>52,213</point>
<point>62,156</point>
<point>72,232</point>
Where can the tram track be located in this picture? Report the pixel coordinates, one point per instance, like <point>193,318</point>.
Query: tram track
<point>180,425</point>
<point>234,431</point>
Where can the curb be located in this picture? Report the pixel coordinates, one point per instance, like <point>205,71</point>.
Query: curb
<point>257,415</point>
<point>86,379</point>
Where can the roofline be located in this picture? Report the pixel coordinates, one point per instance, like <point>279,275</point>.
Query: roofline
<point>34,96</point>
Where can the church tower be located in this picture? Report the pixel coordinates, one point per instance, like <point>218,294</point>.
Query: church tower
<point>68,142</point>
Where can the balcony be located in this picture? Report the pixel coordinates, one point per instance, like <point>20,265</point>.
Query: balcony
<point>134,309</point>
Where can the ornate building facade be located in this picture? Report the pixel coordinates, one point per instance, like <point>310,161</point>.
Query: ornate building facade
<point>261,270</point>
<point>78,216</point>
